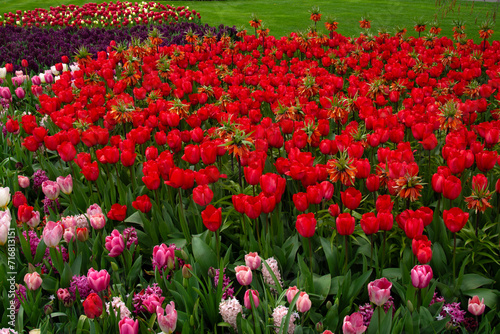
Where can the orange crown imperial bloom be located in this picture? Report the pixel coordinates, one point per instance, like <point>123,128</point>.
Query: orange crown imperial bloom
<point>331,26</point>
<point>342,169</point>
<point>409,186</point>
<point>255,23</point>
<point>315,17</point>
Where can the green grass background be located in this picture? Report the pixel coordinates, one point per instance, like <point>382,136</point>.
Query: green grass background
<point>285,16</point>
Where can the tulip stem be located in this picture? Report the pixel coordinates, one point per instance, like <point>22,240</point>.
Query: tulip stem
<point>383,252</point>
<point>477,223</point>
<point>239,173</point>
<point>371,251</point>
<point>184,228</point>
<point>345,264</point>
<point>310,256</point>
<point>379,318</point>
<point>419,299</point>
<point>217,244</point>
<point>132,178</point>
<point>454,255</point>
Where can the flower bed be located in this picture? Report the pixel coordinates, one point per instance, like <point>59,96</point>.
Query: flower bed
<point>262,185</point>
<point>104,15</point>
<point>43,48</point>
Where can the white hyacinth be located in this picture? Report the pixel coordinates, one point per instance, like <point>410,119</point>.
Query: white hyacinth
<point>279,314</point>
<point>118,305</point>
<point>229,310</point>
<point>268,278</point>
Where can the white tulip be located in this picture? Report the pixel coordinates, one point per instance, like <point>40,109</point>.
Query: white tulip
<point>4,197</point>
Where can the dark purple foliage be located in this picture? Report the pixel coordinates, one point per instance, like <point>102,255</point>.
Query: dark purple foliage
<point>43,48</point>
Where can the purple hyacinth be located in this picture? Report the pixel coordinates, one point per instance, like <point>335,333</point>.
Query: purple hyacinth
<point>229,292</point>
<point>50,204</point>
<point>130,236</point>
<point>39,177</point>
<point>367,313</point>
<point>436,299</point>
<point>80,283</point>
<point>20,294</point>
<point>456,314</point>
<point>367,310</point>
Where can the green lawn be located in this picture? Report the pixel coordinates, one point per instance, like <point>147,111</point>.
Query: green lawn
<point>283,17</point>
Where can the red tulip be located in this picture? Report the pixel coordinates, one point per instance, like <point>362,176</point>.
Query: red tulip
<point>127,158</point>
<point>351,198</point>
<point>191,154</point>
<point>268,203</point>
<point>252,174</point>
<point>384,204</point>
<point>306,225</point>
<point>372,182</point>
<point>142,203</point>
<point>212,218</point>
<point>486,160</point>
<point>455,219</point>
<point>202,195</point>
<point>386,220</point>
<point>369,223</point>
<point>92,306</point>
<point>239,202</point>
<point>91,171</point>
<point>421,248</point>
<point>413,227</point>
<point>117,212</point>
<point>452,187</point>
<point>66,151</point>
<point>208,153</point>
<point>345,224</point>
<point>253,207</point>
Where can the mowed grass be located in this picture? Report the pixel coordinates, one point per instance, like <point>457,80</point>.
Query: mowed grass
<point>285,16</point>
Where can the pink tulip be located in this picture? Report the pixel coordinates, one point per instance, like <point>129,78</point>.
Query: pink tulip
<point>163,256</point>
<point>290,293</point>
<point>52,234</point>
<point>94,209</point>
<point>421,275</point>
<point>353,324</point>
<point>51,189</point>
<point>65,183</point>
<point>98,221</point>
<point>152,302</point>
<point>24,181</point>
<point>379,291</point>
<point>62,294</point>
<point>34,220</point>
<point>98,280</point>
<point>253,260</point>
<point>20,92</point>
<point>5,93</point>
<point>115,244</point>
<point>69,234</point>
<point>128,326</point>
<point>476,307</point>
<point>33,281</point>
<point>167,319</point>
<point>243,275</point>
<point>255,297</point>
<point>303,303</point>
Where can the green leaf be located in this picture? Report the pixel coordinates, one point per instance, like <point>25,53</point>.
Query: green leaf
<point>203,254</point>
<point>322,286</point>
<point>474,281</point>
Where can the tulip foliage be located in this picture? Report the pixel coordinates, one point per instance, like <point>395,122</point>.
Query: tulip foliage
<point>162,188</point>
